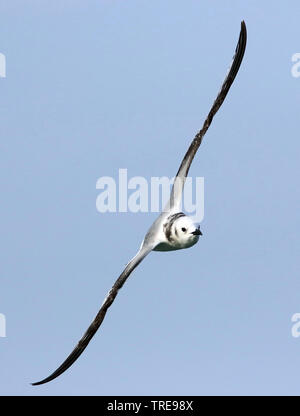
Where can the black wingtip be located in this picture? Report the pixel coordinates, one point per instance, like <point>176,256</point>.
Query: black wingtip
<point>244,28</point>
<point>38,383</point>
<point>52,376</point>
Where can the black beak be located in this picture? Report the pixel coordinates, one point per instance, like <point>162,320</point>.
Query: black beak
<point>197,231</point>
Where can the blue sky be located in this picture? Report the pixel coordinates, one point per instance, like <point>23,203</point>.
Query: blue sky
<point>95,86</point>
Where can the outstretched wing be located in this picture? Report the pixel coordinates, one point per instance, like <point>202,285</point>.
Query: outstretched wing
<point>92,329</point>
<point>177,189</point>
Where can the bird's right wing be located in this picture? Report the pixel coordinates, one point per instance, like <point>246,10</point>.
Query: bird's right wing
<point>177,189</point>
<point>92,329</point>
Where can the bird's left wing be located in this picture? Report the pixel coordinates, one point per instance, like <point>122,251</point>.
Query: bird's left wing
<point>177,189</point>
<point>92,329</point>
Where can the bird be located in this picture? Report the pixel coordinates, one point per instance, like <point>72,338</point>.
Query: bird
<point>172,230</point>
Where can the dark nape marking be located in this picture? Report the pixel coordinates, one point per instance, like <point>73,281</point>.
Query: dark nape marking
<point>168,225</point>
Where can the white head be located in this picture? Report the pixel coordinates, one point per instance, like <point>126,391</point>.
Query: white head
<point>181,231</point>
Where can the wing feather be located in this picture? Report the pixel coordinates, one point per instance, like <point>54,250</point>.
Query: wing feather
<point>92,329</point>
<point>177,189</point>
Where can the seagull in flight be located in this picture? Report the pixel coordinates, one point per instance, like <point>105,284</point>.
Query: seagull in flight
<point>172,230</point>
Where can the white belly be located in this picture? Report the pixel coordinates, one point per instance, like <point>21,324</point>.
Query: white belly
<point>175,246</point>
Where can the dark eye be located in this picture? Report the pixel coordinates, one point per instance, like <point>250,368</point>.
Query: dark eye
<point>183,229</point>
